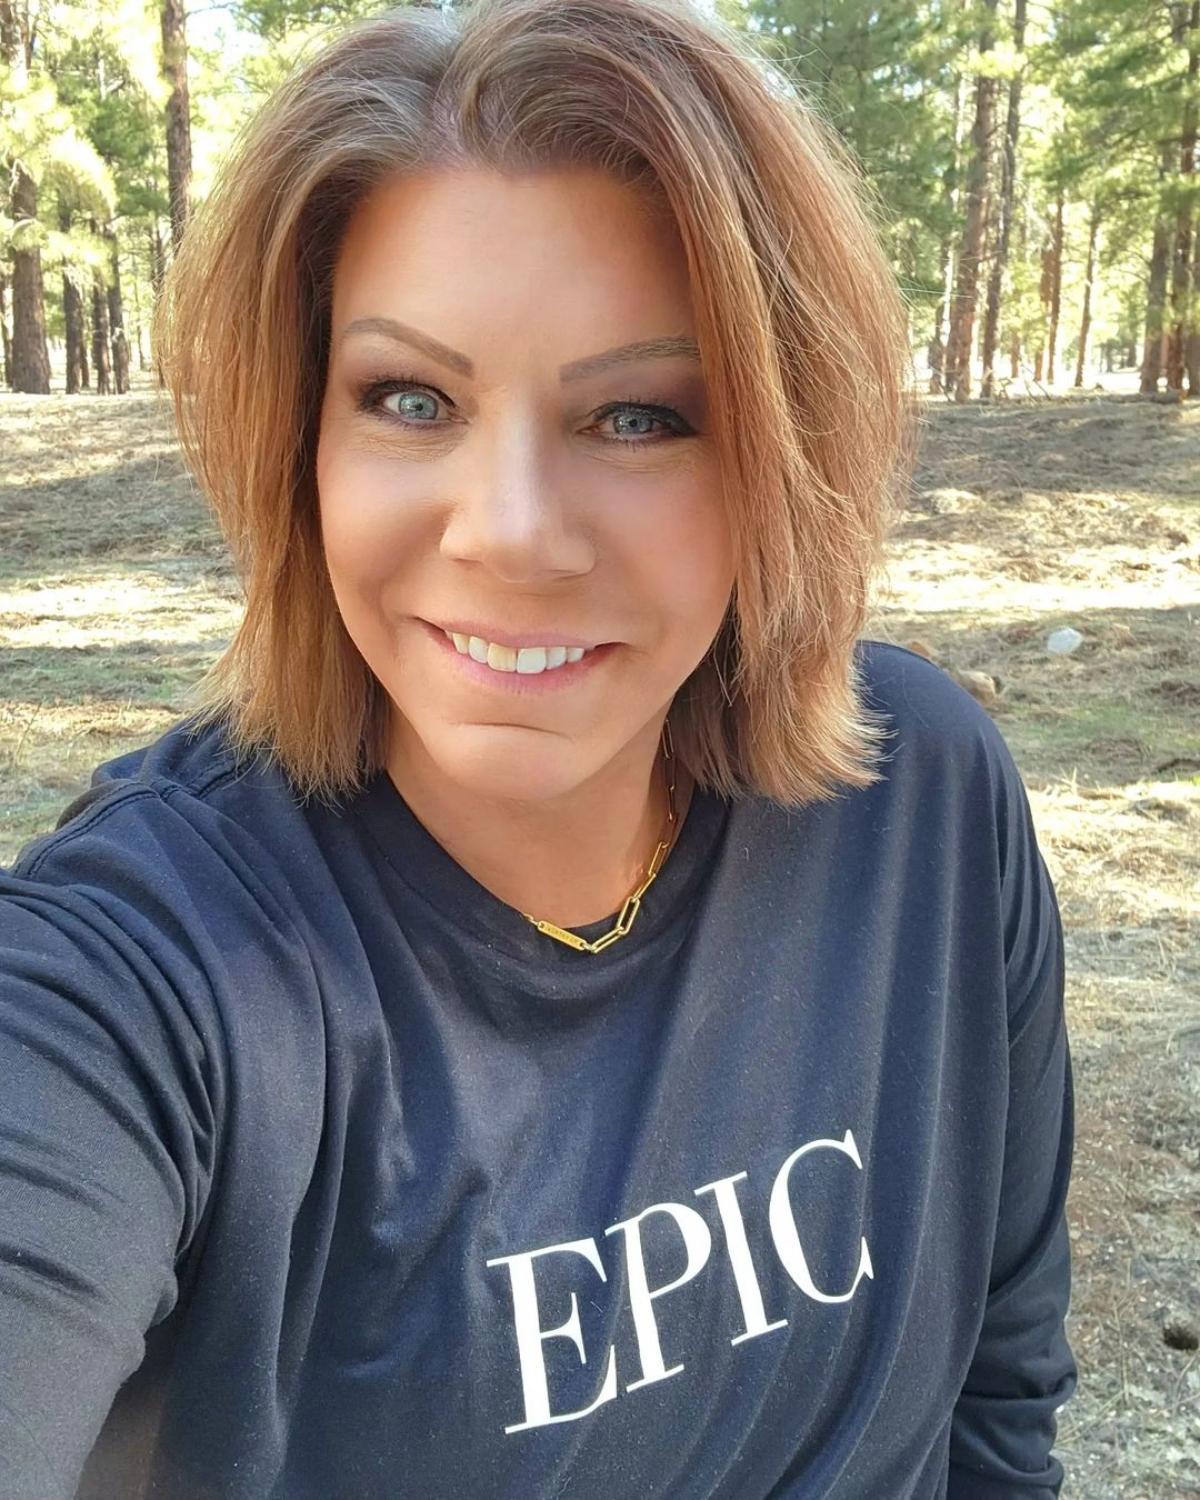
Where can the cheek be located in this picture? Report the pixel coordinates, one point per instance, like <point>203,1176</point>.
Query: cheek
<point>363,528</point>
<point>690,561</point>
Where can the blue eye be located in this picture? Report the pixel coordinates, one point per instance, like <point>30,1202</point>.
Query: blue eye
<point>644,412</point>
<point>634,414</point>
<point>370,399</point>
<point>639,422</point>
<point>413,400</point>
<point>416,400</point>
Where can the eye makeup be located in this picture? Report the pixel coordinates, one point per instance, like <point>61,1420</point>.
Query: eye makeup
<point>369,395</point>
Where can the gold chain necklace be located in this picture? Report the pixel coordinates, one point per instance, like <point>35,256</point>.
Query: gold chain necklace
<point>630,910</point>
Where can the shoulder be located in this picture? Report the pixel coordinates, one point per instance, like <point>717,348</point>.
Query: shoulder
<point>178,885</point>
<point>182,763</point>
<point>934,726</point>
<point>172,811</point>
<point>920,697</point>
<point>946,781</point>
<point>949,776</point>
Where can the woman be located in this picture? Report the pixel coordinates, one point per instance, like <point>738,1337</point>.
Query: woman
<point>567,1018</point>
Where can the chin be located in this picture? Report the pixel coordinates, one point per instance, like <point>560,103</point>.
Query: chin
<point>507,762</point>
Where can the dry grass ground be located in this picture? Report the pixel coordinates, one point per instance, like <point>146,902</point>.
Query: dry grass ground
<point>1086,512</point>
<point>114,594</point>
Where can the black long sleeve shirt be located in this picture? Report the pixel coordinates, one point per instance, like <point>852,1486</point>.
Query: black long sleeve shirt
<point>325,1176</point>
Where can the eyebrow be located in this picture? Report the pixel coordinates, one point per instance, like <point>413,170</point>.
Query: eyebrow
<point>668,347</point>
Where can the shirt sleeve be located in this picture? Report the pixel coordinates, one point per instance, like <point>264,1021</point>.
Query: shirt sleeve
<point>1004,1422</point>
<point>105,1156</point>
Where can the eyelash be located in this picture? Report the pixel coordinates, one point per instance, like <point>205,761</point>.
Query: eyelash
<point>370,395</point>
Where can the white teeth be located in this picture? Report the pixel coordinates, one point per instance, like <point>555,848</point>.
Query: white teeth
<point>529,660</point>
<point>501,658</point>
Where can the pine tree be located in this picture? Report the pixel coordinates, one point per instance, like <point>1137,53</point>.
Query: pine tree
<point>885,76</point>
<point>53,169</point>
<point>1127,73</point>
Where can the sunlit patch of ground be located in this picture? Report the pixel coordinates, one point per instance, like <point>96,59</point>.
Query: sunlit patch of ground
<point>115,593</point>
<point>1025,516</point>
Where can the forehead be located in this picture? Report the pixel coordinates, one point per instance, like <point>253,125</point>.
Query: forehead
<point>570,245</point>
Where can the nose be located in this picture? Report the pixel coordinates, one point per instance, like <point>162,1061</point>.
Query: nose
<point>511,516</point>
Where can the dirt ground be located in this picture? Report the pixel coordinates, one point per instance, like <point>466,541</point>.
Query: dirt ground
<point>1026,516</point>
<point>1085,512</point>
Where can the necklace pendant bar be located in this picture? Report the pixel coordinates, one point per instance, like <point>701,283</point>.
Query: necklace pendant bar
<point>632,903</point>
<point>572,939</point>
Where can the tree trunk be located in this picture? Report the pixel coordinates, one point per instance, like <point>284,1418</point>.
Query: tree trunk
<point>962,314</point>
<point>1008,180</point>
<point>72,314</point>
<point>30,355</point>
<point>5,346</point>
<point>137,314</point>
<point>1085,321</point>
<point>1156,288</point>
<point>100,333</point>
<point>1189,335</point>
<point>116,316</point>
<point>73,317</point>
<point>1182,314</point>
<point>1192,343</point>
<point>85,369</point>
<point>1045,297</point>
<point>937,346</point>
<point>179,130</point>
<point>1052,282</point>
<point>950,181</point>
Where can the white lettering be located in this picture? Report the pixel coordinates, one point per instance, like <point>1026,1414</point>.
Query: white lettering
<point>740,1259</point>
<point>531,1335</point>
<point>783,1225</point>
<point>696,1236</point>
<point>697,1239</point>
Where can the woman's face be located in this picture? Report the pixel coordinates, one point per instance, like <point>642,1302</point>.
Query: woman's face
<point>514,448</point>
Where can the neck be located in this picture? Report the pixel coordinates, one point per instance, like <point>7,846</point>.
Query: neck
<point>569,860</point>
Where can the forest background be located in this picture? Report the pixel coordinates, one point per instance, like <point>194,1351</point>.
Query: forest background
<point>1032,166</point>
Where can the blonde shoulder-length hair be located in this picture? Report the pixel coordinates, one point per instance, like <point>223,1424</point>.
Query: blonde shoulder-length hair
<point>802,333</point>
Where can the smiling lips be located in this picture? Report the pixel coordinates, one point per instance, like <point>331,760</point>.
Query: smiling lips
<point>528,660</point>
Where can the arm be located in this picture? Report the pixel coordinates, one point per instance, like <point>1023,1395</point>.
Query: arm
<point>104,1163</point>
<point>1004,1423</point>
